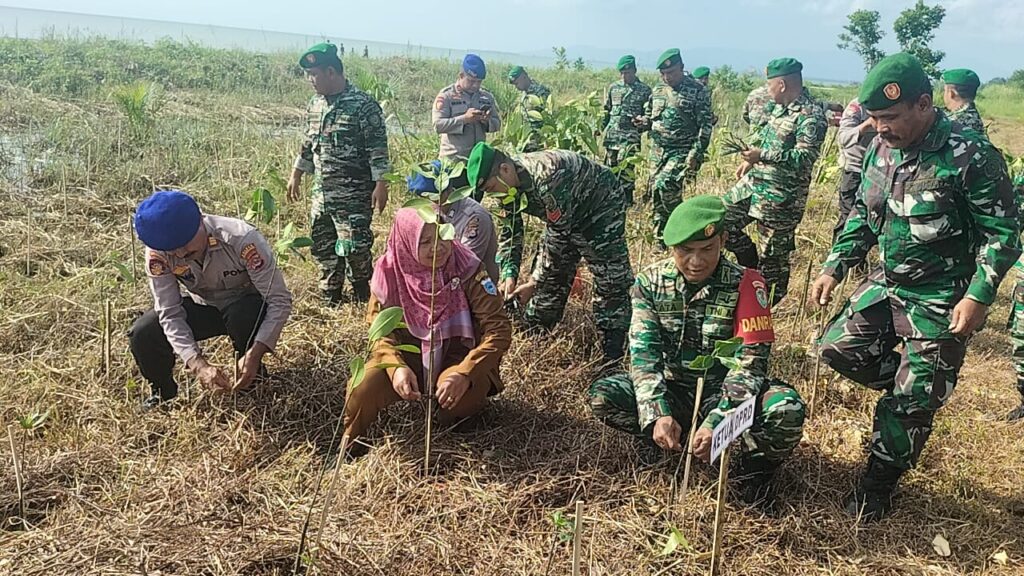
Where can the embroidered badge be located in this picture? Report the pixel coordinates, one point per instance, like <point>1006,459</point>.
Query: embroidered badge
<point>489,286</point>
<point>310,58</point>
<point>183,272</point>
<point>471,228</point>
<point>253,261</point>
<point>157,267</point>
<point>709,230</point>
<point>892,91</point>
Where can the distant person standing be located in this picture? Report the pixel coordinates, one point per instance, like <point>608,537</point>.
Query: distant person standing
<point>856,131</point>
<point>366,51</point>
<point>756,110</point>
<point>464,112</point>
<point>534,99</point>
<point>959,91</point>
<point>623,106</point>
<point>679,117</point>
<point>346,149</point>
<point>702,74</point>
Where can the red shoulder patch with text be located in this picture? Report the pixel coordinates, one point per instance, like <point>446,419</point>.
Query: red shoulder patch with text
<point>253,260</point>
<point>753,311</point>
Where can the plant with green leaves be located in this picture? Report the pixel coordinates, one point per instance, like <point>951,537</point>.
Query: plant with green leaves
<point>571,126</point>
<point>139,102</point>
<point>28,423</point>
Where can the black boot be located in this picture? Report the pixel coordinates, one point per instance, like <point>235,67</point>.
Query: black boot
<point>361,291</point>
<point>872,499</point>
<point>747,257</point>
<point>333,297</point>
<point>160,394</point>
<point>756,480</point>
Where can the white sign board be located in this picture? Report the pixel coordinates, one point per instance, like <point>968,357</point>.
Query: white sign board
<point>735,423</point>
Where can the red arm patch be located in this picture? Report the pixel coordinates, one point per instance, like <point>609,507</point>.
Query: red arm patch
<point>253,260</point>
<point>753,312</point>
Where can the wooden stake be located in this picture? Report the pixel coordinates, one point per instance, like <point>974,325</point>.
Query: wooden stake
<point>429,433</point>
<point>106,336</point>
<point>803,301</point>
<point>329,497</point>
<point>28,242</point>
<point>817,363</point>
<point>689,442</point>
<point>577,535</point>
<point>17,475</point>
<point>723,478</point>
<point>135,258</point>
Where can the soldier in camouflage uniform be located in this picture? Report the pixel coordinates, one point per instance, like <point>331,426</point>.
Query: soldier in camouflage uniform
<point>346,149</point>
<point>775,177</point>
<point>623,105</point>
<point>959,92</point>
<point>679,117</point>
<point>702,74</point>
<point>682,307</point>
<point>756,110</point>
<point>583,206</point>
<point>937,201</point>
<point>534,99</point>
<point>1016,322</point>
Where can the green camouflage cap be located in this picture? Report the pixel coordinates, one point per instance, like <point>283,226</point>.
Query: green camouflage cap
<point>321,54</point>
<point>962,77</point>
<point>627,61</point>
<point>701,72</point>
<point>669,58</point>
<point>783,67</point>
<point>698,218</point>
<point>479,165</point>
<point>515,72</point>
<point>896,78</point>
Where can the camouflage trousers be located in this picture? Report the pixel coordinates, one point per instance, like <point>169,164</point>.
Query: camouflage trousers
<point>778,421</point>
<point>776,241</point>
<point>604,248</point>
<point>627,177</point>
<point>666,185</point>
<point>1016,327</point>
<point>341,236</point>
<point>916,380</point>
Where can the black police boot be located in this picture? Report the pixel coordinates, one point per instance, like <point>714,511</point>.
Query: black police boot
<point>872,499</point>
<point>756,481</point>
<point>333,297</point>
<point>747,257</point>
<point>160,393</point>
<point>361,292</point>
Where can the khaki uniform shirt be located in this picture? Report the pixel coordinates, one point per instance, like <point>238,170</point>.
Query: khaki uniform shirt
<point>238,262</point>
<point>457,135</point>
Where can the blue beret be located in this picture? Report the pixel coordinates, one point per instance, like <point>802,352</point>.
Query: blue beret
<point>474,66</point>
<point>420,184</point>
<point>167,220</point>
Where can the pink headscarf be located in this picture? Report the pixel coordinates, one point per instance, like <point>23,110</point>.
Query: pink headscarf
<point>400,280</point>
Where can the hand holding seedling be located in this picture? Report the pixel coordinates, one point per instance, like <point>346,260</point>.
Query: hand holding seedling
<point>524,292</point>
<point>249,365</point>
<point>821,291</point>
<point>451,390</point>
<point>667,432</point>
<point>702,444</point>
<point>405,384</point>
<point>508,286</point>
<point>751,155</point>
<point>967,316</point>
<point>209,375</point>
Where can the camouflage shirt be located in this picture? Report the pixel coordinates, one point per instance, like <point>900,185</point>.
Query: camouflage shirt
<point>346,141</point>
<point>539,102</point>
<point>624,103</point>
<point>675,321</point>
<point>944,217</point>
<point>756,109</point>
<point>790,142</point>
<point>566,190</point>
<point>680,117</point>
<point>969,117</point>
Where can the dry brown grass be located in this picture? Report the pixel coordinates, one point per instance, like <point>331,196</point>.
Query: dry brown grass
<point>221,485</point>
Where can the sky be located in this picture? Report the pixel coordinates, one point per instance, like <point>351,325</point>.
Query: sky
<point>981,34</point>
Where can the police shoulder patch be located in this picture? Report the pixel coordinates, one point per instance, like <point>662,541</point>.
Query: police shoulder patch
<point>157,266</point>
<point>254,262</point>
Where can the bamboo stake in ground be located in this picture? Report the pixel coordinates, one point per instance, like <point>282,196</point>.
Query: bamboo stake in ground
<point>723,478</point>
<point>106,337</point>
<point>817,364</point>
<point>28,242</point>
<point>16,461</point>
<point>577,536</point>
<point>135,258</point>
<point>689,443</point>
<point>331,489</point>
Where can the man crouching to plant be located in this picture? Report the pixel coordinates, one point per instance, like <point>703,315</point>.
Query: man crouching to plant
<point>682,307</point>
<point>455,335</point>
<point>232,287</point>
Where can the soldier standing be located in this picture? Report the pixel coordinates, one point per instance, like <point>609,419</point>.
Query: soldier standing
<point>679,117</point>
<point>623,110</point>
<point>959,92</point>
<point>856,131</point>
<point>1016,321</point>
<point>534,99</point>
<point>775,177</point>
<point>682,307</point>
<point>232,287</point>
<point>464,112</point>
<point>583,206</point>
<point>937,201</point>
<point>346,149</point>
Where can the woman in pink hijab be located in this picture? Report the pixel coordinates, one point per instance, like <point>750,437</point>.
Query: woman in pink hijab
<point>470,329</point>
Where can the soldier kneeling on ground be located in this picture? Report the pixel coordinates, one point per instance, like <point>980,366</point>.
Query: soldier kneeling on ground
<point>682,306</point>
<point>232,287</point>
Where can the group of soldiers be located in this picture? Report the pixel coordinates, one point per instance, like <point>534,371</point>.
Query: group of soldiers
<point>923,185</point>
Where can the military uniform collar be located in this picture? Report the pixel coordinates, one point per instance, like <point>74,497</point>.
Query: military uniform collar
<point>963,108</point>
<point>525,178</point>
<point>938,135</point>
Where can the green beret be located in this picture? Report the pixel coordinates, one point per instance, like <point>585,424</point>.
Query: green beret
<point>322,54</point>
<point>896,78</point>
<point>669,58</point>
<point>515,72</point>
<point>962,77</point>
<point>783,67</point>
<point>625,62</point>
<point>698,218</point>
<point>479,165</point>
<point>702,72</point>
